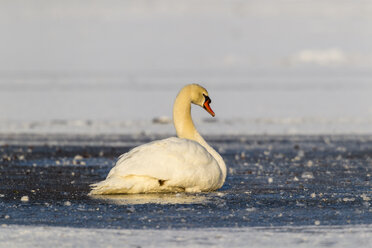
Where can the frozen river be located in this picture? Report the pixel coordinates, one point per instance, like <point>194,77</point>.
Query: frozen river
<point>297,184</point>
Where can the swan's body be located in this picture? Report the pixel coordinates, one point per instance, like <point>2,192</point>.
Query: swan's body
<point>186,163</point>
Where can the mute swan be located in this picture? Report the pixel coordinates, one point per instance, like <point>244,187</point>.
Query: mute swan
<point>186,163</point>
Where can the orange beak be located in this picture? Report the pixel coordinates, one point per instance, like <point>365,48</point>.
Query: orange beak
<point>207,107</point>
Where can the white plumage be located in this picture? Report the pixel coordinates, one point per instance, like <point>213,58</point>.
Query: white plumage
<point>174,164</point>
<point>163,166</point>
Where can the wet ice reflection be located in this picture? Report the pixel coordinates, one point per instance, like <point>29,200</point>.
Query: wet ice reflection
<point>134,199</point>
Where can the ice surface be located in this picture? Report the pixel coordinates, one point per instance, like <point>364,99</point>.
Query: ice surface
<point>311,236</point>
<point>269,183</point>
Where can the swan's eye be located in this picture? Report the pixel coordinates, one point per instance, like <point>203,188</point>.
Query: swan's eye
<point>207,99</point>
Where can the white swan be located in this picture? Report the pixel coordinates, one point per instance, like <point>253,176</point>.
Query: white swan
<point>186,163</point>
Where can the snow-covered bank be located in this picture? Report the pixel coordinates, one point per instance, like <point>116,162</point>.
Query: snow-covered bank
<point>234,126</point>
<point>312,236</point>
<point>240,109</point>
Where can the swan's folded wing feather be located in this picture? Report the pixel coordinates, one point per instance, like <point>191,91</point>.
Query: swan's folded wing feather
<point>177,160</point>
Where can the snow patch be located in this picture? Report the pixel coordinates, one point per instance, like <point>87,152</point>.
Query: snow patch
<point>311,236</point>
<point>325,57</point>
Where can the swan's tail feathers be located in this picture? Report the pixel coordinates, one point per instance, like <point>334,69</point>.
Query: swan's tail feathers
<point>127,185</point>
<point>113,185</point>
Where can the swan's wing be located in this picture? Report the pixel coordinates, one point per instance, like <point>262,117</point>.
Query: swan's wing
<point>181,162</point>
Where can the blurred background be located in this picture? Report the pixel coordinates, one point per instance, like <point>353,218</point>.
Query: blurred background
<point>270,66</point>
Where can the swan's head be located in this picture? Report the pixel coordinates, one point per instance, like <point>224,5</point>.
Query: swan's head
<point>199,96</point>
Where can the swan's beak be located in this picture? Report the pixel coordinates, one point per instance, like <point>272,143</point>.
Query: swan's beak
<point>207,107</point>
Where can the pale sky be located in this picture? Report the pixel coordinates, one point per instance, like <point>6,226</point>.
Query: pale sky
<point>221,38</point>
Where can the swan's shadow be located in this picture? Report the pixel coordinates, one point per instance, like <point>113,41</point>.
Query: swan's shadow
<point>162,198</point>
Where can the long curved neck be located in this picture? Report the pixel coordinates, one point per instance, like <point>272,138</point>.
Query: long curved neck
<point>185,127</point>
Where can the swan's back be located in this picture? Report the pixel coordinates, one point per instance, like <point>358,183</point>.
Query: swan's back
<point>167,165</point>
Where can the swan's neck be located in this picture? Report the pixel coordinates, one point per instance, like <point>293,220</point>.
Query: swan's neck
<point>185,127</point>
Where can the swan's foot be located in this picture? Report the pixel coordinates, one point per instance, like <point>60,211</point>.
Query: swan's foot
<point>195,189</point>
